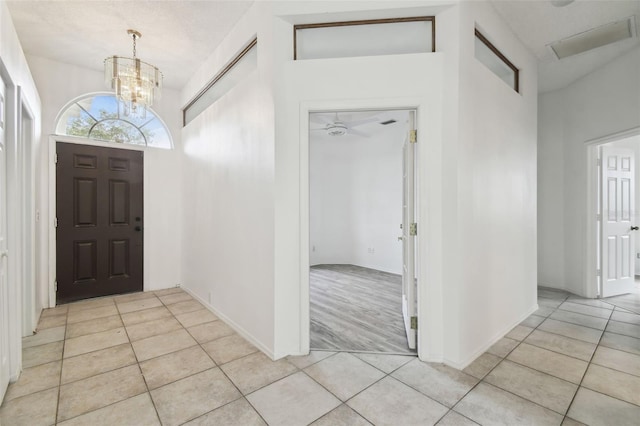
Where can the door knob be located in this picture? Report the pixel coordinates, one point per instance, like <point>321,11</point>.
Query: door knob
<point>634,228</point>
<point>400,238</point>
<point>4,253</point>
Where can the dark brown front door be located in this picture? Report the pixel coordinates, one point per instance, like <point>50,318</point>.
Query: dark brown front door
<point>99,213</point>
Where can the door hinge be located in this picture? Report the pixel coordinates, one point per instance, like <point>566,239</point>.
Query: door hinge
<point>413,229</point>
<point>413,136</point>
<point>414,323</point>
<point>599,162</point>
<point>56,158</point>
<point>55,286</point>
<point>598,216</point>
<point>599,273</point>
<point>55,222</point>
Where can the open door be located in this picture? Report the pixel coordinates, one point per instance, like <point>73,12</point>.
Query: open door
<point>5,372</point>
<point>409,231</point>
<point>617,242</point>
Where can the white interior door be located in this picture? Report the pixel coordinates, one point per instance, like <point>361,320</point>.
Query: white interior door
<point>408,237</point>
<point>5,372</point>
<point>618,201</point>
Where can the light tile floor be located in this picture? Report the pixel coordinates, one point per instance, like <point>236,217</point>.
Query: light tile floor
<point>162,358</point>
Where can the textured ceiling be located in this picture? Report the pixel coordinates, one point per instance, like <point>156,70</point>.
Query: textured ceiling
<point>538,23</point>
<point>179,34</point>
<point>176,35</point>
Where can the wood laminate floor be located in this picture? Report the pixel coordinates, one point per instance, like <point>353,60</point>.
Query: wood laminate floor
<point>356,309</point>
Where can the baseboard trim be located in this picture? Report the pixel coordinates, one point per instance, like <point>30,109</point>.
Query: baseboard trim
<point>239,329</point>
<point>464,364</point>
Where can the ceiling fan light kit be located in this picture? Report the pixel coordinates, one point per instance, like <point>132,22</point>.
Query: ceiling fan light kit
<point>337,128</point>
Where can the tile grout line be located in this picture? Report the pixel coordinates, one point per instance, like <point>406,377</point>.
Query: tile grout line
<point>585,374</point>
<point>482,380</point>
<point>104,372</point>
<point>216,365</point>
<point>144,379</point>
<point>64,344</point>
<point>108,371</point>
<point>385,374</point>
<point>586,370</point>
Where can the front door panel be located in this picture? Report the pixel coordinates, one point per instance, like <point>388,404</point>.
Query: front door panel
<point>99,211</point>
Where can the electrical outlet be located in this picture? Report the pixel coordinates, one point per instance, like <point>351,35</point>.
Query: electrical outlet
<point>638,255</point>
<point>371,250</point>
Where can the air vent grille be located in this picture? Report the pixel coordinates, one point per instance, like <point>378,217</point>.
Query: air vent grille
<point>594,38</point>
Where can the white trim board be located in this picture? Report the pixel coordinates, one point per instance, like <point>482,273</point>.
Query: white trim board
<point>497,337</point>
<point>27,177</point>
<point>239,329</point>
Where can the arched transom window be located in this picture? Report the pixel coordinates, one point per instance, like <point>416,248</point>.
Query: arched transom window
<point>100,117</point>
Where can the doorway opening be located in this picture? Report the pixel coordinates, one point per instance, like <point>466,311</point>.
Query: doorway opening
<point>618,235</point>
<point>362,245</point>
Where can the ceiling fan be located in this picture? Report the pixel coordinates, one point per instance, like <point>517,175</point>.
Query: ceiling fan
<point>338,127</point>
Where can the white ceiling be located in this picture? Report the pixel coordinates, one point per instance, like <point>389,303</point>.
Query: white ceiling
<point>365,123</point>
<point>538,23</point>
<point>176,35</point>
<point>179,34</point>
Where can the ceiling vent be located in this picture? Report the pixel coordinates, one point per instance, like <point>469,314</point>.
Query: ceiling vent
<point>594,38</point>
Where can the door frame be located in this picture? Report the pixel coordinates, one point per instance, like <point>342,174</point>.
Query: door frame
<point>430,320</point>
<point>592,282</point>
<point>14,220</point>
<point>53,140</point>
<point>27,181</point>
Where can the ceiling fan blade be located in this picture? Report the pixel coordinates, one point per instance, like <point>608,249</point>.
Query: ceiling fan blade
<point>358,133</point>
<point>319,119</point>
<point>357,123</point>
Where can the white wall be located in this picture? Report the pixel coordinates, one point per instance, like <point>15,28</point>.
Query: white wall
<point>551,239</point>
<point>605,102</point>
<point>495,223</point>
<point>227,190</point>
<point>477,176</point>
<point>15,72</point>
<point>356,198</point>
<point>60,83</point>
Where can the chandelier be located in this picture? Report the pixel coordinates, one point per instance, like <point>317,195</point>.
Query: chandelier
<point>136,83</point>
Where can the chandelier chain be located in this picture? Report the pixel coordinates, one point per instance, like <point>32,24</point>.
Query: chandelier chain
<point>134,45</point>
